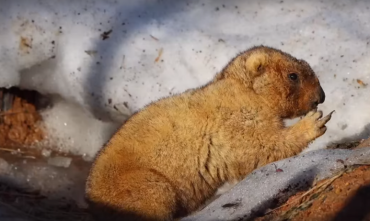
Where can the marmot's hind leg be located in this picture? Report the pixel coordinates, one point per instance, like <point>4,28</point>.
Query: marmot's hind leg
<point>140,195</point>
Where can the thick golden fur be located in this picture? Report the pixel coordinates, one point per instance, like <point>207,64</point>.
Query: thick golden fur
<point>171,156</point>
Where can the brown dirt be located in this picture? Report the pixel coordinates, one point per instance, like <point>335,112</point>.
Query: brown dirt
<point>20,125</point>
<point>345,196</point>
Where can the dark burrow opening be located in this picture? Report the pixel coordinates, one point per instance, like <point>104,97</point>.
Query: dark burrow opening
<point>8,96</point>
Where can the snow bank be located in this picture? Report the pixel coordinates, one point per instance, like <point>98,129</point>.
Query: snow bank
<point>70,128</point>
<point>277,181</point>
<point>113,57</point>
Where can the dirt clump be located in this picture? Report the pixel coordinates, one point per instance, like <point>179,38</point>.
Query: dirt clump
<point>20,121</point>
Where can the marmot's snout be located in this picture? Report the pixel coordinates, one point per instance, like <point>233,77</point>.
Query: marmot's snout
<point>319,99</point>
<point>322,96</point>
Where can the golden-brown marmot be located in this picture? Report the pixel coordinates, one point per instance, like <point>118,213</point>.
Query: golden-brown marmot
<point>170,157</point>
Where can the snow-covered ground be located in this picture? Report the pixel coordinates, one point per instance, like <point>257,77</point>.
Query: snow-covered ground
<point>107,59</point>
<point>276,181</point>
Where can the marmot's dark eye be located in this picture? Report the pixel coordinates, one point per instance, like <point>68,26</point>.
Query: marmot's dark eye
<point>293,76</point>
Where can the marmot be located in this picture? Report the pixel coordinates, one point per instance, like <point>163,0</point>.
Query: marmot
<point>170,157</point>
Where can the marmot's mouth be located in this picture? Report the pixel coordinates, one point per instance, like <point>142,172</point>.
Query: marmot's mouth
<point>304,112</point>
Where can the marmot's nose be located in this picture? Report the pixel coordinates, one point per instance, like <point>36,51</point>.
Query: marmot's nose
<point>319,99</point>
<point>322,96</point>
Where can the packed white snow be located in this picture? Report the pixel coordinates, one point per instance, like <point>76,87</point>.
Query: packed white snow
<point>107,59</point>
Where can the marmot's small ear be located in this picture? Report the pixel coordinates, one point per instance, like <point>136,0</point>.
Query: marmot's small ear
<point>256,63</point>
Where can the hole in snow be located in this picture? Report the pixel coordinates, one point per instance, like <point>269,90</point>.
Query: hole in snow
<point>20,118</point>
<point>9,95</point>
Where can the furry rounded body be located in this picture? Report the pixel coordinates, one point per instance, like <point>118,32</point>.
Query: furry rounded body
<point>174,154</point>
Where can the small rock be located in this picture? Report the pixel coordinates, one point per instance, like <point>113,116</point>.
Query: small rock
<point>60,161</point>
<point>46,153</point>
<point>87,158</point>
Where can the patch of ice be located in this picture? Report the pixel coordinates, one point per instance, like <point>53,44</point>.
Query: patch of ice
<point>38,175</point>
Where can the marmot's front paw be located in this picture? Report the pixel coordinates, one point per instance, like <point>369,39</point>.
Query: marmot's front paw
<point>313,125</point>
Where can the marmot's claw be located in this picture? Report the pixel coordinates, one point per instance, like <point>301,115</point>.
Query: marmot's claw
<point>323,129</point>
<point>324,120</point>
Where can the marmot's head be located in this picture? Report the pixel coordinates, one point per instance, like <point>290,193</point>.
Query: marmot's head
<point>288,84</point>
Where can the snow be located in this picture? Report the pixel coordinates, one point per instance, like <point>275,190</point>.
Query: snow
<point>115,77</point>
<point>160,47</point>
<point>288,176</point>
<point>73,129</point>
